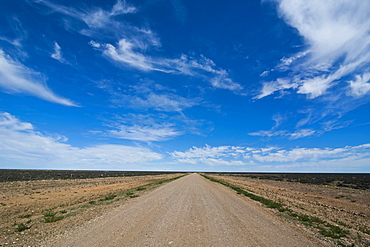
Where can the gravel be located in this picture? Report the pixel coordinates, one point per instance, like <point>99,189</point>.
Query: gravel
<point>191,211</point>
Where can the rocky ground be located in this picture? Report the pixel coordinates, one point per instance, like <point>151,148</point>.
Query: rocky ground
<point>346,208</point>
<point>191,211</point>
<point>31,211</point>
<point>25,207</point>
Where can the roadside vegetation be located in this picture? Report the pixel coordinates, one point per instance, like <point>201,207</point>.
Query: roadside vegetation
<point>36,218</point>
<point>345,180</point>
<point>325,228</point>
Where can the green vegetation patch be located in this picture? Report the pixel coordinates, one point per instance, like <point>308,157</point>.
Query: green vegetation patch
<point>51,216</point>
<point>332,231</point>
<point>108,197</point>
<point>22,227</point>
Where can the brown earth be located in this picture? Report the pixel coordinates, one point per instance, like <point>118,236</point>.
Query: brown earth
<point>346,208</point>
<point>191,211</point>
<point>76,200</point>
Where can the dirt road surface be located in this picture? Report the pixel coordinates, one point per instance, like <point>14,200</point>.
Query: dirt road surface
<point>191,211</point>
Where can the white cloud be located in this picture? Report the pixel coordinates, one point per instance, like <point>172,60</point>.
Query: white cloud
<point>16,28</point>
<point>285,62</point>
<point>284,133</point>
<point>271,87</point>
<point>57,55</point>
<point>305,154</point>
<point>132,54</point>
<point>142,127</point>
<point>145,133</point>
<point>7,121</point>
<point>205,152</point>
<point>302,133</point>
<point>222,81</point>
<point>269,133</point>
<point>360,86</point>
<point>100,18</point>
<point>95,18</point>
<point>330,27</point>
<point>335,32</point>
<point>279,119</point>
<point>23,146</point>
<point>134,43</point>
<point>148,95</point>
<point>222,155</point>
<point>17,78</point>
<point>162,102</point>
<point>274,158</point>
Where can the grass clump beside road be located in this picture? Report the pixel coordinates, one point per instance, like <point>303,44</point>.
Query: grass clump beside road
<point>51,216</point>
<point>21,227</point>
<point>108,197</point>
<point>325,228</point>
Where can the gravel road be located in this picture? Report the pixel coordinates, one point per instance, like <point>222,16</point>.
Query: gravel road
<point>190,211</point>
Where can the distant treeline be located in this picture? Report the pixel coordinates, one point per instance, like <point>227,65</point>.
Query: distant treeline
<point>351,180</point>
<point>28,175</point>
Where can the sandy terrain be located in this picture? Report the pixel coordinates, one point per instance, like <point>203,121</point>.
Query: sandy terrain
<point>76,200</point>
<point>344,207</point>
<point>191,211</point>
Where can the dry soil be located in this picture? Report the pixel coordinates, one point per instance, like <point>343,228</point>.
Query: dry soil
<point>190,211</point>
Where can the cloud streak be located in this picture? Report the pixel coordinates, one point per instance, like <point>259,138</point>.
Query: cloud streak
<point>132,55</point>
<point>17,78</point>
<point>94,18</point>
<point>134,44</point>
<point>145,133</point>
<point>140,127</point>
<point>57,54</point>
<point>337,36</point>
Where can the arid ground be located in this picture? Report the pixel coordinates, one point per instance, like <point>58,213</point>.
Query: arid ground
<point>28,204</point>
<point>191,211</point>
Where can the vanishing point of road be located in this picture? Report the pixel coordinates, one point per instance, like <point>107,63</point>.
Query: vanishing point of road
<point>190,211</point>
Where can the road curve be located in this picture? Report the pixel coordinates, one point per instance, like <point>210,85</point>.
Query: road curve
<point>190,211</point>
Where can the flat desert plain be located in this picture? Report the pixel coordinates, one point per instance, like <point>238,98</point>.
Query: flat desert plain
<point>189,211</point>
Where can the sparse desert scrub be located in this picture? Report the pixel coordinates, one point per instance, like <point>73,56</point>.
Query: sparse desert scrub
<point>341,214</point>
<point>45,207</point>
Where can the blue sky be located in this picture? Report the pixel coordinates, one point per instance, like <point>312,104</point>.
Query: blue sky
<point>254,86</point>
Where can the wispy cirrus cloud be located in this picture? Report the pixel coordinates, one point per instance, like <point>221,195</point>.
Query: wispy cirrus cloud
<point>148,95</point>
<point>134,44</point>
<point>162,102</point>
<point>94,18</point>
<point>168,121</point>
<point>17,78</point>
<point>275,132</point>
<point>132,55</point>
<point>22,145</point>
<point>142,127</point>
<point>16,31</point>
<point>301,133</point>
<point>337,36</point>
<point>146,133</point>
<point>57,54</point>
